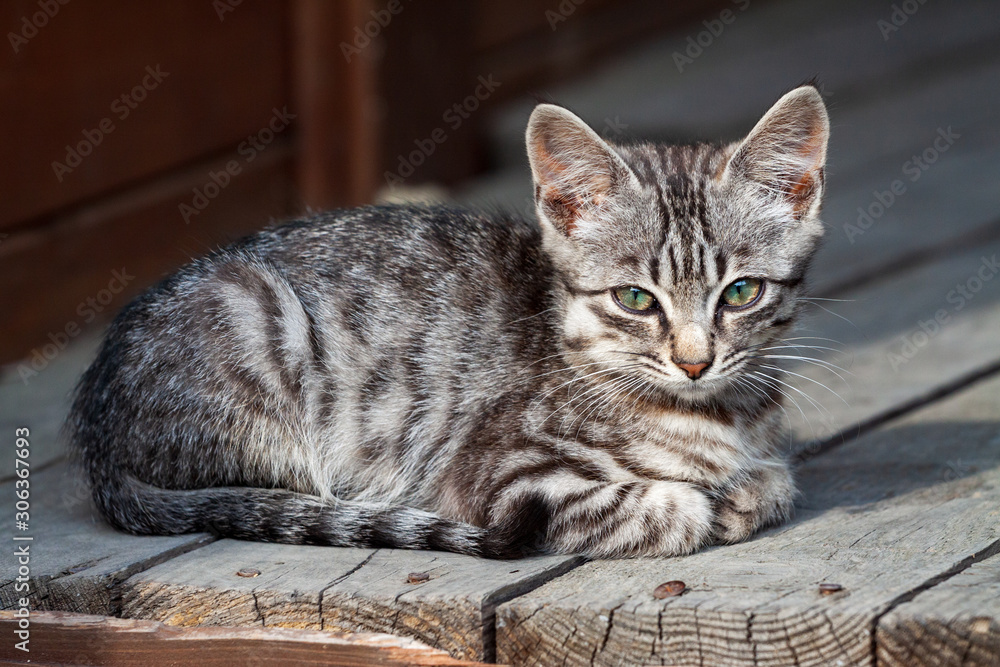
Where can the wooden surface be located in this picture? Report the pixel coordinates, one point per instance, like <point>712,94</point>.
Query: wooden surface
<point>867,329</point>
<point>77,562</point>
<point>75,639</point>
<point>337,140</point>
<point>343,590</point>
<point>955,623</point>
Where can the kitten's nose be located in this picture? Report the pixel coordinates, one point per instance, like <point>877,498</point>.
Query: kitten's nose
<point>693,370</point>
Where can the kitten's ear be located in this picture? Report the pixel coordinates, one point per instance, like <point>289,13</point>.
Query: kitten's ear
<point>786,151</point>
<point>574,170</point>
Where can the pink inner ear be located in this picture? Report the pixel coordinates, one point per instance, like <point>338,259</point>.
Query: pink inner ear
<point>562,210</point>
<point>567,186</point>
<point>801,190</point>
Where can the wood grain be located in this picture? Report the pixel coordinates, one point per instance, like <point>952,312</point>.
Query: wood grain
<point>74,639</point>
<point>956,623</point>
<point>881,517</point>
<point>870,328</point>
<point>335,99</point>
<point>345,590</point>
<point>76,560</point>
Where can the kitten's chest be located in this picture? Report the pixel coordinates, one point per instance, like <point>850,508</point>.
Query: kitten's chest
<point>692,447</point>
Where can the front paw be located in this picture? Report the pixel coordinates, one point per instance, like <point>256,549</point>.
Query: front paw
<point>764,499</point>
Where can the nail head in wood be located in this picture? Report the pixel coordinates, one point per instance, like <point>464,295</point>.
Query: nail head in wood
<point>669,590</point>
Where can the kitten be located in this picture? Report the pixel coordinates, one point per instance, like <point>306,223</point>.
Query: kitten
<point>437,378</point>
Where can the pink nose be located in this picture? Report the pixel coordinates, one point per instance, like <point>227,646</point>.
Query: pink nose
<point>693,370</point>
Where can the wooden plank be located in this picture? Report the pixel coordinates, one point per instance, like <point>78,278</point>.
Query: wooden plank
<point>58,638</point>
<point>954,197</point>
<point>219,81</point>
<point>41,402</point>
<point>140,233</point>
<point>76,560</point>
<point>901,340</point>
<point>345,590</point>
<point>554,42</point>
<point>880,517</point>
<point>956,623</point>
<point>431,38</point>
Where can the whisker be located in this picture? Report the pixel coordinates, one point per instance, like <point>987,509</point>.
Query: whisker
<point>822,363</point>
<point>530,316</point>
<point>817,382</point>
<point>595,389</point>
<point>765,379</point>
<point>840,316</point>
<point>806,396</point>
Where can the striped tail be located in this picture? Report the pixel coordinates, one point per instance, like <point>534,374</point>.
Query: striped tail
<point>276,515</point>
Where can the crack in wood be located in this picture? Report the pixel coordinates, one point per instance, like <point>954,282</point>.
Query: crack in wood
<point>607,633</point>
<point>256,607</point>
<point>341,578</point>
<point>964,564</point>
<point>855,431</point>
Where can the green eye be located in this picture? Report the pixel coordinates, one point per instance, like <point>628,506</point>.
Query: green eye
<point>633,298</point>
<point>742,292</point>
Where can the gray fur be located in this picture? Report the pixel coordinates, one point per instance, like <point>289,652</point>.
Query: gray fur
<point>431,377</point>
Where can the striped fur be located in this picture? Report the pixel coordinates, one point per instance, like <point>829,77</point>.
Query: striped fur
<point>431,377</point>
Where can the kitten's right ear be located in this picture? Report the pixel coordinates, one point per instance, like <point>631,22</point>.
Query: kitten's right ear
<point>574,170</point>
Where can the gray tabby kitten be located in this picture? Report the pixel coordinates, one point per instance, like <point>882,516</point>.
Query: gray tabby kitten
<point>437,378</point>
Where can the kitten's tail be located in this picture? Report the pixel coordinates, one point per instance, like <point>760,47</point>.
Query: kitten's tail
<point>276,515</point>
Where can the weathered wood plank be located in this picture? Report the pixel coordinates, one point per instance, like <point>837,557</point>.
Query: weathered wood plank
<point>345,590</point>
<point>76,560</point>
<point>955,196</point>
<point>954,623</point>
<point>880,517</point>
<point>902,339</point>
<point>75,639</point>
<point>41,402</point>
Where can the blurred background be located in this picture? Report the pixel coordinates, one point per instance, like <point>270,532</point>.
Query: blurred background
<point>140,135</point>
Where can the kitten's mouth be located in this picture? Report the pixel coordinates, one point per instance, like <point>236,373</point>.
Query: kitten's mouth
<point>694,391</point>
<point>700,388</point>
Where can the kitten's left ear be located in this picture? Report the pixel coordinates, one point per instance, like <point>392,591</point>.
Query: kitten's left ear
<point>786,151</point>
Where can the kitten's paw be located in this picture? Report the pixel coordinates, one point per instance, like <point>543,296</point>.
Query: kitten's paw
<point>689,524</point>
<point>635,519</point>
<point>764,499</point>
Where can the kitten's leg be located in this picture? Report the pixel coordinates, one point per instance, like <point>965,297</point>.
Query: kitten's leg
<point>638,517</point>
<point>762,498</point>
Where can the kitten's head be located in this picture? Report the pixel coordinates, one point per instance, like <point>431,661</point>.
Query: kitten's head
<point>679,262</point>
